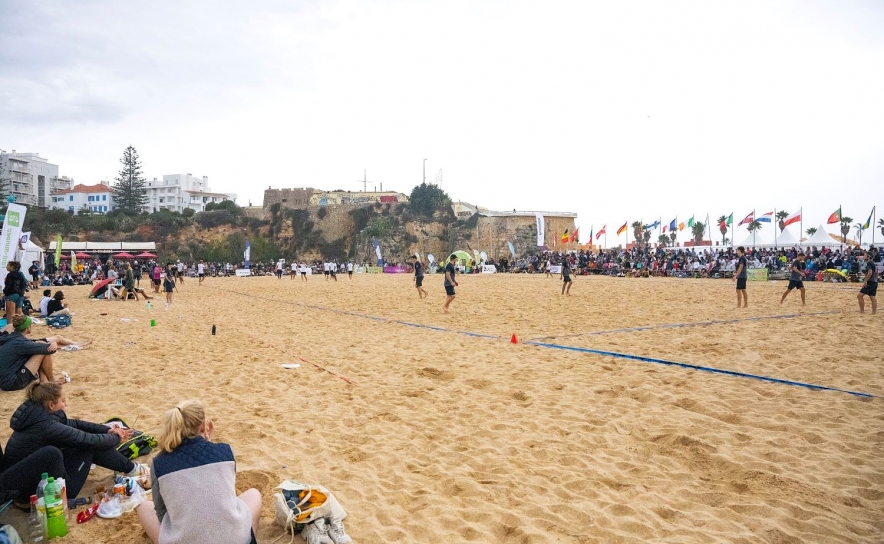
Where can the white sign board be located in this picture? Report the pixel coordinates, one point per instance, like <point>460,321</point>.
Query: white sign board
<point>555,269</point>
<point>489,269</point>
<point>243,272</point>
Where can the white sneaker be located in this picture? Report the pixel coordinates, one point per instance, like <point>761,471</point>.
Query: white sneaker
<point>337,533</point>
<point>316,533</point>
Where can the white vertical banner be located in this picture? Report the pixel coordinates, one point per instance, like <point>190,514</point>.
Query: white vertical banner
<point>541,231</point>
<point>10,236</point>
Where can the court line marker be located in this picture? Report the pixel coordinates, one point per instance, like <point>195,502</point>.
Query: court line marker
<point>689,366</point>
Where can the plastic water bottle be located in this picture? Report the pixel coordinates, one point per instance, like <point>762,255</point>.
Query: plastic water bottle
<point>149,306</point>
<point>56,525</point>
<point>36,524</point>
<point>44,479</point>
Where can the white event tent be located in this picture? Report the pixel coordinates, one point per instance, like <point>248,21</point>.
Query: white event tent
<point>820,238</point>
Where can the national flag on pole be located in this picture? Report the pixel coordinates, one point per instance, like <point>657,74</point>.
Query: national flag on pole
<point>794,218</point>
<point>590,236</point>
<point>869,220</point>
<point>766,218</point>
<point>599,233</point>
<point>730,219</point>
<point>672,225</point>
<point>565,237</point>
<point>575,236</point>
<point>665,227</point>
<point>748,219</point>
<point>681,226</point>
<point>651,226</point>
<point>622,229</point>
<point>691,222</point>
<point>835,217</point>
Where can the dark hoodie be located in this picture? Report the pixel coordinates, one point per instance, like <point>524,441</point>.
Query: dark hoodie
<point>15,350</point>
<point>33,427</point>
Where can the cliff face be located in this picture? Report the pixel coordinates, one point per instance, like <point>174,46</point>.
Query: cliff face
<point>342,232</point>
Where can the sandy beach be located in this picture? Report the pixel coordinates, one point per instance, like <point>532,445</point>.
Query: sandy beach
<point>435,428</point>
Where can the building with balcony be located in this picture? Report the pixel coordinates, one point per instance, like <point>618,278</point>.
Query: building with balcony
<point>177,192</point>
<point>31,178</point>
<point>98,198</point>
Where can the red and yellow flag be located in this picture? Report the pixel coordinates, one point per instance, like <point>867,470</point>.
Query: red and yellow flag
<point>622,229</point>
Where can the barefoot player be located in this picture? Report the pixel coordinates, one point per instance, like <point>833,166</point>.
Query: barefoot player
<point>450,283</point>
<point>870,283</point>
<point>419,277</point>
<point>740,276</point>
<point>796,280</point>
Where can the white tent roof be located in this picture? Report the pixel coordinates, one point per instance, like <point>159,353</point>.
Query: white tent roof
<point>105,247</point>
<point>786,239</point>
<point>820,238</point>
<point>755,239</point>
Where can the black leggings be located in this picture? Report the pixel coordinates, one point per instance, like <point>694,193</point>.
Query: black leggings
<point>23,477</point>
<point>78,462</point>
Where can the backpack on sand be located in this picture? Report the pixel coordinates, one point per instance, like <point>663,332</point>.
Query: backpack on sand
<point>140,444</point>
<point>58,321</point>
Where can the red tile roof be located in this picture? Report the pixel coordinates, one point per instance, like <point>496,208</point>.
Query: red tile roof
<point>80,188</point>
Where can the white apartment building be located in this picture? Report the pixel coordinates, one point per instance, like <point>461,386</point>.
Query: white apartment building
<point>177,192</point>
<point>98,198</point>
<point>32,179</point>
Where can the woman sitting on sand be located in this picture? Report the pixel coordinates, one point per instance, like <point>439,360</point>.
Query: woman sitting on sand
<point>194,486</point>
<point>57,306</point>
<point>41,421</point>
<point>23,360</point>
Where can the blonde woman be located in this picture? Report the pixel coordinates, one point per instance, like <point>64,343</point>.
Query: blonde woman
<point>194,486</point>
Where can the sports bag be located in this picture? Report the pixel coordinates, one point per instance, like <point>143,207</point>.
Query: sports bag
<point>140,444</point>
<point>59,321</point>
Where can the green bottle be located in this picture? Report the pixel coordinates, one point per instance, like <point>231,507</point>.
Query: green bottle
<point>56,525</point>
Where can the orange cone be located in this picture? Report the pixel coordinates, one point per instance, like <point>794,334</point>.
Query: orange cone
<point>514,340</point>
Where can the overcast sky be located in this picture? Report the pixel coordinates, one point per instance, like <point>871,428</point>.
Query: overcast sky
<point>618,111</point>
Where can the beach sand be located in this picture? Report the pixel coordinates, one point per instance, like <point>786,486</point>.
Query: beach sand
<point>451,437</point>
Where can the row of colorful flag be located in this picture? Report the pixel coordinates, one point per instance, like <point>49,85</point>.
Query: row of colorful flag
<point>768,217</point>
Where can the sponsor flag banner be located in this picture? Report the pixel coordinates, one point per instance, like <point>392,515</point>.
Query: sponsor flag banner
<point>73,261</point>
<point>15,218</point>
<point>247,255</point>
<point>748,219</point>
<point>377,251</point>
<point>835,217</point>
<point>512,249</point>
<point>541,233</point>
<point>57,250</point>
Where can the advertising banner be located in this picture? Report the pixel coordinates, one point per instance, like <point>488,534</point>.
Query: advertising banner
<point>377,251</point>
<point>242,272</point>
<point>399,269</point>
<point>489,269</point>
<point>555,269</point>
<point>756,274</point>
<point>15,218</point>
<point>247,255</point>
<point>541,231</point>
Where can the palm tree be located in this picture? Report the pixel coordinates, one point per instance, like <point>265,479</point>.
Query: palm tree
<point>781,217</point>
<point>722,227</point>
<point>845,227</point>
<point>698,230</point>
<point>859,232</point>
<point>674,236</point>
<point>812,230</point>
<point>646,236</point>
<point>637,228</point>
<point>881,226</point>
<point>754,225</point>
<point>663,240</point>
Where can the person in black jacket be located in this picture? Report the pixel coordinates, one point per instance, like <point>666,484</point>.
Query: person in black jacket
<point>41,421</point>
<point>23,361</point>
<point>14,288</point>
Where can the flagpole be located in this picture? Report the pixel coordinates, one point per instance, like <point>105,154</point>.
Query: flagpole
<point>874,218</point>
<point>775,229</point>
<point>801,215</point>
<point>753,230</point>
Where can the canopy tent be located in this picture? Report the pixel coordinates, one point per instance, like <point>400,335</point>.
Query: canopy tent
<point>145,255</point>
<point>463,256</point>
<point>755,239</point>
<point>82,255</point>
<point>786,239</point>
<point>124,255</point>
<point>820,238</point>
<point>31,254</point>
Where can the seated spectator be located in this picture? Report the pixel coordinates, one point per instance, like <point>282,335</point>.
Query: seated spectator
<point>23,361</point>
<point>191,465</point>
<point>41,421</point>
<point>19,480</point>
<point>47,296</point>
<point>57,306</point>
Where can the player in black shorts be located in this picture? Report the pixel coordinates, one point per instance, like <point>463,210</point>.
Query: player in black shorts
<point>566,278</point>
<point>796,279</point>
<point>419,278</point>
<point>740,276</point>
<point>870,283</point>
<point>450,282</point>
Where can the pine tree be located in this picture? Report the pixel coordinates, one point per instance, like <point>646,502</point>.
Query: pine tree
<point>130,194</point>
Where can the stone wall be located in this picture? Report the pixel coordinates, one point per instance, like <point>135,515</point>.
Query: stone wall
<point>492,233</point>
<point>296,199</point>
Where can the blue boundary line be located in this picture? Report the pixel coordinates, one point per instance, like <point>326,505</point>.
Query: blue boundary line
<point>679,325</point>
<point>572,348</point>
<point>698,367</point>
